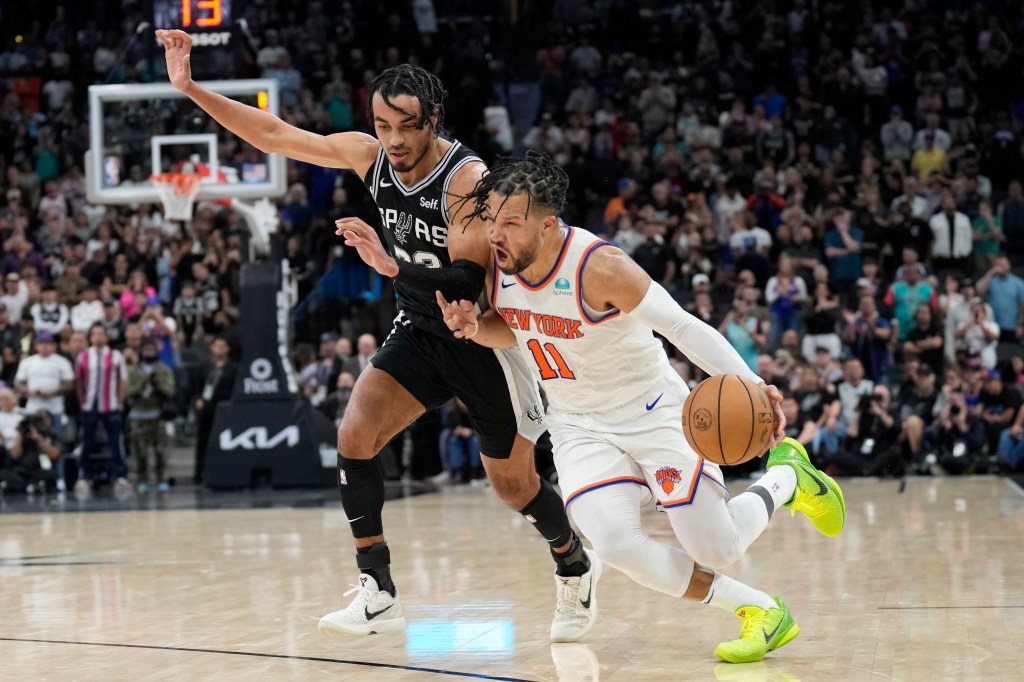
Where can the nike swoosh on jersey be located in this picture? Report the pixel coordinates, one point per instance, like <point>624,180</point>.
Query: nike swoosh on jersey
<point>506,285</point>
<point>385,183</point>
<point>650,406</point>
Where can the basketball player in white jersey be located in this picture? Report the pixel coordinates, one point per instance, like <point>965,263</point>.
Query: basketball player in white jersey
<point>584,311</point>
<point>417,178</point>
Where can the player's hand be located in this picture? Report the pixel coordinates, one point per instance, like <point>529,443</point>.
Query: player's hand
<point>780,419</point>
<point>365,241</point>
<point>460,316</point>
<point>177,51</point>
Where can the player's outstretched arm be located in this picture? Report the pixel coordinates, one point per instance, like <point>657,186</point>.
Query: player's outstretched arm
<point>613,280</point>
<point>488,329</point>
<point>263,130</point>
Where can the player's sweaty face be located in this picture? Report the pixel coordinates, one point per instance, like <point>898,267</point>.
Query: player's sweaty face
<point>515,237</point>
<point>404,138</point>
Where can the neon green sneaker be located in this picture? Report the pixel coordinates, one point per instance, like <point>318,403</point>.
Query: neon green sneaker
<point>817,495</point>
<point>763,630</point>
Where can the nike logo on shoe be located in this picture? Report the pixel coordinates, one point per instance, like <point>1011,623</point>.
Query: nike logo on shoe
<point>506,285</point>
<point>822,488</point>
<point>768,635</point>
<point>650,406</point>
<point>370,615</point>
<point>590,593</point>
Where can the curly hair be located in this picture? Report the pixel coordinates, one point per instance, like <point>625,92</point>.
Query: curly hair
<point>536,175</point>
<point>414,81</point>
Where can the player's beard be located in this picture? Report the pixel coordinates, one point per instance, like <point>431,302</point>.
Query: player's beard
<point>526,257</point>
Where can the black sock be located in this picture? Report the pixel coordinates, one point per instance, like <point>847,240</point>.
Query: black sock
<point>375,561</point>
<point>573,563</point>
<point>361,485</point>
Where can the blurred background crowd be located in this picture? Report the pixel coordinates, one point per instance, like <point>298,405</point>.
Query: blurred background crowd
<point>834,186</point>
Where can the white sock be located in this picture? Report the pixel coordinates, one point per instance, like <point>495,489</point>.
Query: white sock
<point>731,595</point>
<point>780,483</point>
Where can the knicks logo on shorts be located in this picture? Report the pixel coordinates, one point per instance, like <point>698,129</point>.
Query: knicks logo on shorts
<point>667,478</point>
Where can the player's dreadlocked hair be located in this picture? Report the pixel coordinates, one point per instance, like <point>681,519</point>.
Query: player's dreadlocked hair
<point>537,175</point>
<point>415,81</point>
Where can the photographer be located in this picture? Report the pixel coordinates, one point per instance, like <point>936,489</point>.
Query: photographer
<point>955,439</point>
<point>32,460</point>
<point>872,447</point>
<point>150,387</point>
<point>979,334</point>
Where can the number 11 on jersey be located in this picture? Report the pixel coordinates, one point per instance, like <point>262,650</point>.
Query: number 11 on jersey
<point>546,370</point>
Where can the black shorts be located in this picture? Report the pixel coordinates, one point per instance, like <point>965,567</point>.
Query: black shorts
<point>497,386</point>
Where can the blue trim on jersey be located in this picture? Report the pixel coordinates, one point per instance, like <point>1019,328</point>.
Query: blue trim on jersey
<point>554,269</point>
<point>579,286</point>
<point>605,484</point>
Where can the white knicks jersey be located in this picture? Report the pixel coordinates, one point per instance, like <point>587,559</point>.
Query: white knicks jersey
<point>586,360</point>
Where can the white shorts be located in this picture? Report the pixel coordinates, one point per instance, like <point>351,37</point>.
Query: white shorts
<point>640,444</point>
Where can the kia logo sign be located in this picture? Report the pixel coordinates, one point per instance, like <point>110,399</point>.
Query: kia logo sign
<point>257,438</point>
<point>259,381</point>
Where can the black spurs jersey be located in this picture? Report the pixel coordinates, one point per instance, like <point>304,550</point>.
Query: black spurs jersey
<point>416,222</point>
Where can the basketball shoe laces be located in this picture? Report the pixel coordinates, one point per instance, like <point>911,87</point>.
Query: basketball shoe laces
<point>363,596</point>
<point>753,625</point>
<point>568,596</point>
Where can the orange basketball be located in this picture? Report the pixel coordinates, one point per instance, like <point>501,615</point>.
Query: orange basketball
<point>728,419</point>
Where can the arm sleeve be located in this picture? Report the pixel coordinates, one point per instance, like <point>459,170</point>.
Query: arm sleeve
<point>704,346</point>
<point>463,281</point>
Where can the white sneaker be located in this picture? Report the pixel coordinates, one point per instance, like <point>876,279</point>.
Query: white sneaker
<point>577,603</point>
<point>122,488</point>
<point>575,663</point>
<point>61,485</point>
<point>373,610</point>
<point>442,479</point>
<point>83,489</point>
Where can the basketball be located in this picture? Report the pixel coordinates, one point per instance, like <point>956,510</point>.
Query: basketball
<point>728,419</point>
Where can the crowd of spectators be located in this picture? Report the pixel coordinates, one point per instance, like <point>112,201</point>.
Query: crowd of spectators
<point>836,187</point>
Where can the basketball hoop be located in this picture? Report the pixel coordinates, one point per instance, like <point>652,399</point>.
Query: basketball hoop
<point>177,193</point>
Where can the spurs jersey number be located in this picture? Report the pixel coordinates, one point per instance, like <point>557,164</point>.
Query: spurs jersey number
<point>424,258</point>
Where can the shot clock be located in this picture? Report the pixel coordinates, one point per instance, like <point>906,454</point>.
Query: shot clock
<point>210,23</point>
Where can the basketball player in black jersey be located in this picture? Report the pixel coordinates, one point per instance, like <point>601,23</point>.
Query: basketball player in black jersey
<point>417,179</point>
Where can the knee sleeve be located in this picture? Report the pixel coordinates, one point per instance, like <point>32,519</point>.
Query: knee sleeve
<point>361,485</point>
<point>610,519</point>
<point>718,553</point>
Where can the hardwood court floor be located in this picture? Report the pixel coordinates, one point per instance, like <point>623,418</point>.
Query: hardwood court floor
<point>927,584</point>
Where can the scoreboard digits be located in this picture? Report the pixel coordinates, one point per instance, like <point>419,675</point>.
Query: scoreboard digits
<point>207,13</point>
<point>208,22</point>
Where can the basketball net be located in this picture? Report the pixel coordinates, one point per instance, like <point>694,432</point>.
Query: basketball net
<point>177,193</point>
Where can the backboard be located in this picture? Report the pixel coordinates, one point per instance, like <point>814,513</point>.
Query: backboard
<point>138,130</point>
